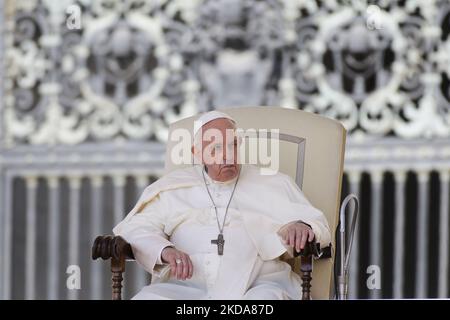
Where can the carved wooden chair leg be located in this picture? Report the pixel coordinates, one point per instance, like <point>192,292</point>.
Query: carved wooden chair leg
<point>117,268</point>
<point>306,269</point>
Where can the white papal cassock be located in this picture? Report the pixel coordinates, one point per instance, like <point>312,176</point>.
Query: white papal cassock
<point>177,211</point>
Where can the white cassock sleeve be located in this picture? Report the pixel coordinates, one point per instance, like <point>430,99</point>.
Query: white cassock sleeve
<point>145,233</point>
<point>308,214</point>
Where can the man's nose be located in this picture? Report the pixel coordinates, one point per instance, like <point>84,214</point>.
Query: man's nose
<point>228,151</point>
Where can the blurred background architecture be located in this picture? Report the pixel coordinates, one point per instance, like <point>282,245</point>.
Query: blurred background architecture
<point>88,89</point>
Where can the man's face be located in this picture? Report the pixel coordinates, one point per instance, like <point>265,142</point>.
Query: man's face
<point>219,149</point>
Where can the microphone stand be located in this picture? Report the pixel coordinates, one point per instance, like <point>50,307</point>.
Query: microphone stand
<point>344,256</point>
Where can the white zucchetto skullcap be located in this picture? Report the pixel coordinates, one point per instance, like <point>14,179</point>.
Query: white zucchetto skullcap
<point>207,117</point>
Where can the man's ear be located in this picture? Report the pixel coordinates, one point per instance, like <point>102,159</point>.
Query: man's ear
<point>194,158</point>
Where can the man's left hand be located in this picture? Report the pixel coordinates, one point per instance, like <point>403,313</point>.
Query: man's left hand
<point>296,234</point>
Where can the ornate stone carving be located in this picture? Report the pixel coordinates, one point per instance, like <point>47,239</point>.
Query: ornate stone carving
<point>135,66</point>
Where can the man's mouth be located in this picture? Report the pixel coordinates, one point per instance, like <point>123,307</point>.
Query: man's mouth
<point>228,166</point>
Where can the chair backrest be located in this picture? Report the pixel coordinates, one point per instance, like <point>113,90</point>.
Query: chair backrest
<point>311,151</point>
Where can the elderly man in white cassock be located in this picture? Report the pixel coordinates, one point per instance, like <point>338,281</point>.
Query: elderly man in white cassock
<point>217,230</point>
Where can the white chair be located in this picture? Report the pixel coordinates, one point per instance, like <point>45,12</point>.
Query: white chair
<point>311,152</point>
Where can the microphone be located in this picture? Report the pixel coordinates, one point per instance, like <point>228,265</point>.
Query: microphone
<point>344,256</point>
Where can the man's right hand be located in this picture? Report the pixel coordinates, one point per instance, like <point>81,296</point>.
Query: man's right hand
<point>183,269</point>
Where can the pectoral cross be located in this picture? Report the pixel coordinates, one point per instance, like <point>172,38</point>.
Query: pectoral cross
<point>220,243</point>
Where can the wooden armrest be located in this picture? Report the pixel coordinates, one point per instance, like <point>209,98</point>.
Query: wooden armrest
<point>313,249</point>
<point>118,250</point>
<point>108,246</point>
<point>310,251</point>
